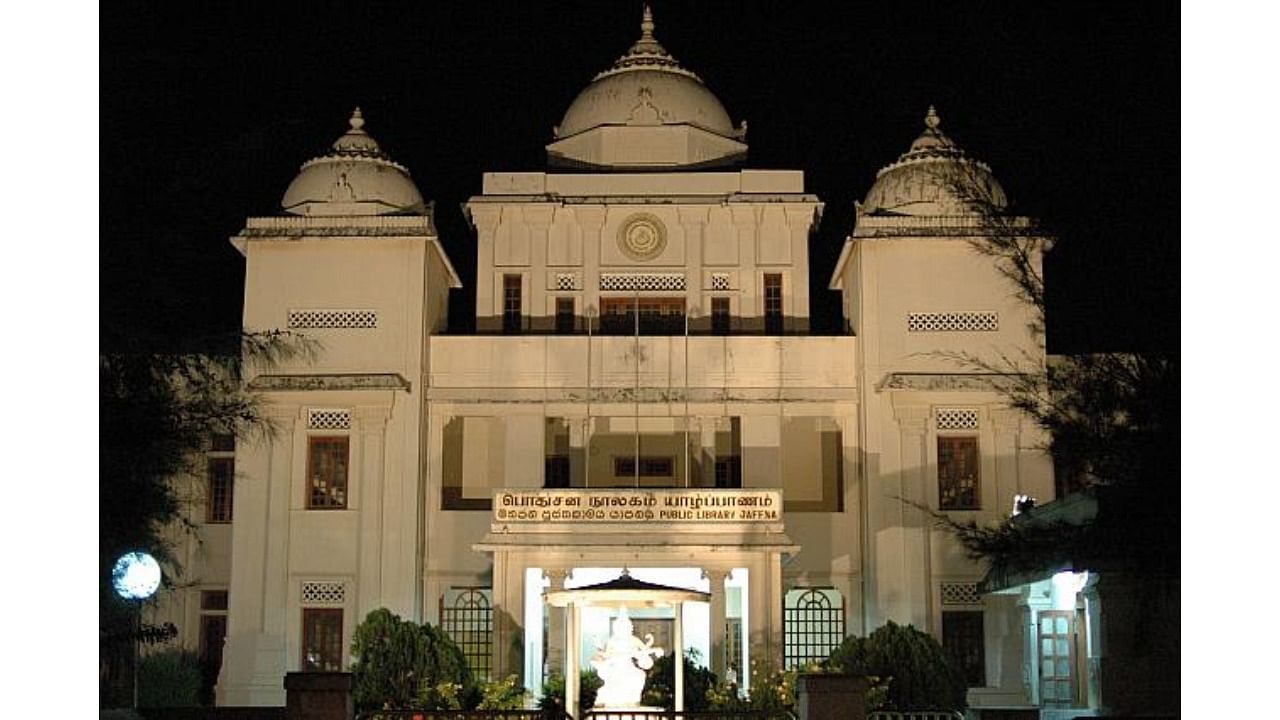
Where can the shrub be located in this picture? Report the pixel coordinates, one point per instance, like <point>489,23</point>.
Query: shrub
<point>505,694</point>
<point>770,690</point>
<point>399,664</point>
<point>659,684</point>
<point>169,678</point>
<point>915,667</point>
<point>553,691</point>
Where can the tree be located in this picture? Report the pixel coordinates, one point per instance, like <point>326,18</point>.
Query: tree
<point>157,413</point>
<point>1113,421</point>
<point>399,664</point>
<point>918,674</point>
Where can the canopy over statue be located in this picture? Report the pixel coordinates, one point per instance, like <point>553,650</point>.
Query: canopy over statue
<point>623,661</point>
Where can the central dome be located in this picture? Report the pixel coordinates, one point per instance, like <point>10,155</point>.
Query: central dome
<point>646,110</point>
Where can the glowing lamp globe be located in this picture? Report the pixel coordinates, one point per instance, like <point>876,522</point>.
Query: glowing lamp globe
<point>136,576</point>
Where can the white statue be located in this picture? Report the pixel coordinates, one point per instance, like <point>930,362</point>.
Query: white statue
<point>622,663</point>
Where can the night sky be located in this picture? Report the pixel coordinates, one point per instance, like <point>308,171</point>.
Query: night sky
<point>207,112</point>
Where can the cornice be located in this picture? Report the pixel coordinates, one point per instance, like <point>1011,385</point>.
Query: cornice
<point>334,381</point>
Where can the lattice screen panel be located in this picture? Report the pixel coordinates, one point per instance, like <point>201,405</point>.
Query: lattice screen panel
<point>960,593</point>
<point>957,419</point>
<point>566,281</point>
<point>719,281</point>
<point>324,593</point>
<point>632,282</point>
<point>340,319</point>
<point>328,419</point>
<point>953,322</point>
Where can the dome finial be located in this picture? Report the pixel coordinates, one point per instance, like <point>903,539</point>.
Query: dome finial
<point>931,119</point>
<point>646,24</point>
<point>357,120</point>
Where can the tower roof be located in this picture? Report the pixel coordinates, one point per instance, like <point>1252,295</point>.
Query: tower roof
<point>354,178</point>
<point>934,177</point>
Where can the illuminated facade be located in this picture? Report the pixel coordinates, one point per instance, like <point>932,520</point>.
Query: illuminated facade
<point>641,392</point>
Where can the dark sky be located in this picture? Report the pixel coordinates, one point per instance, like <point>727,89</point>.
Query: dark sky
<point>207,112</point>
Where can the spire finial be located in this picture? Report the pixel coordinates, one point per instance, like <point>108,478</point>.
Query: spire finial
<point>646,24</point>
<point>931,119</point>
<point>357,120</point>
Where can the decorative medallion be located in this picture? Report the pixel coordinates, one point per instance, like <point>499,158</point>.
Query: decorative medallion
<point>642,237</point>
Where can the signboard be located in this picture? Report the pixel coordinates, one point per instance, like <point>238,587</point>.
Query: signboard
<point>637,506</point>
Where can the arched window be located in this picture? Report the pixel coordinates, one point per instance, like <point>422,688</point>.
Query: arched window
<point>813,625</point>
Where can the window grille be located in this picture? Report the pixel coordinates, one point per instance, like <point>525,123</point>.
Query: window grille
<point>773,304</point>
<point>956,419</point>
<point>813,625</point>
<point>327,463</point>
<point>632,282</point>
<point>960,593</point>
<point>328,419</point>
<point>335,319</point>
<point>321,640</point>
<point>719,281</point>
<point>958,482</point>
<point>953,322</point>
<point>733,650</point>
<point>221,477</point>
<point>324,593</point>
<point>466,614</point>
<point>566,281</point>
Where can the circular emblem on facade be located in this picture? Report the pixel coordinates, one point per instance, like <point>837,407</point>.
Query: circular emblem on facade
<point>642,236</point>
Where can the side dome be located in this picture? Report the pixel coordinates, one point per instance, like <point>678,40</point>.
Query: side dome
<point>354,178</point>
<point>934,177</point>
<point>646,111</point>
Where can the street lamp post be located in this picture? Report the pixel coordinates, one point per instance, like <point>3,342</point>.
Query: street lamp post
<point>136,577</point>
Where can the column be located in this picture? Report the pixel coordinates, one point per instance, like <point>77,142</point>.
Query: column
<point>508,608</point>
<point>750,309</point>
<point>253,657</point>
<point>915,555</point>
<point>591,219</point>
<point>716,578</point>
<point>1006,424</point>
<point>694,221</point>
<point>485,218</point>
<point>799,222</point>
<point>371,424</point>
<point>572,661</point>
<point>538,218</point>
<point>555,622</point>
<point>764,614</point>
<point>677,639</point>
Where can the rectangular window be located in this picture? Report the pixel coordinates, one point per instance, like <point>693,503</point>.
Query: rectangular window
<point>720,315</point>
<point>729,472</point>
<point>773,304</point>
<point>222,443</point>
<point>222,471</point>
<point>564,316</point>
<point>321,639</point>
<point>962,641</point>
<point>556,472</point>
<point>958,473</point>
<point>511,308</point>
<point>649,467</point>
<point>327,459</point>
<point>658,316</point>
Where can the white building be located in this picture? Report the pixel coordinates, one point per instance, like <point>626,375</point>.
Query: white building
<point>642,392</point>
